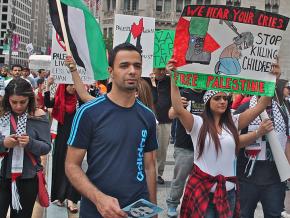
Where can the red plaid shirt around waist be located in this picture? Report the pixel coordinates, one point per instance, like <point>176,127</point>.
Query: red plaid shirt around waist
<point>196,195</point>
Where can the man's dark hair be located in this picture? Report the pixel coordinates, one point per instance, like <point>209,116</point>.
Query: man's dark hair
<point>16,65</point>
<point>25,69</point>
<point>40,70</point>
<point>126,46</point>
<point>40,81</point>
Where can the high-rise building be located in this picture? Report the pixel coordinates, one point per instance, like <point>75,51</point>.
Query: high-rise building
<point>167,13</point>
<point>18,12</point>
<point>31,18</point>
<point>40,27</point>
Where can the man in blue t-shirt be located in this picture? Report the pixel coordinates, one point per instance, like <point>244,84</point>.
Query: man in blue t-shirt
<point>118,133</point>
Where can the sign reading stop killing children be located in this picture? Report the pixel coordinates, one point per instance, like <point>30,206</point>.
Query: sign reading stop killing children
<point>163,47</point>
<point>59,71</point>
<point>138,31</point>
<point>228,48</point>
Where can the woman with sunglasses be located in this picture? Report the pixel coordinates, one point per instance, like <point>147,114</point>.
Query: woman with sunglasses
<point>24,134</point>
<point>211,187</point>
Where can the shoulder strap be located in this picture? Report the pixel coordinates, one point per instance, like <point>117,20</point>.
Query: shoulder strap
<point>13,122</point>
<point>31,158</point>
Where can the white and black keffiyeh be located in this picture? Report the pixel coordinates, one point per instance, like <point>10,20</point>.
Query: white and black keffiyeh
<point>279,122</point>
<point>17,156</point>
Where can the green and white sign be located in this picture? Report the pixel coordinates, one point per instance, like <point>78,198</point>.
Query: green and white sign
<point>163,47</point>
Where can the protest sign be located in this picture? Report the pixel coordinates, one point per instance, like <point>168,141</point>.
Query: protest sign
<point>163,47</point>
<point>139,31</point>
<point>228,48</point>
<point>59,71</point>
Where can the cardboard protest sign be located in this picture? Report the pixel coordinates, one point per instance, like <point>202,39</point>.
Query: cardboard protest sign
<point>227,48</point>
<point>163,47</point>
<point>59,71</point>
<point>139,31</point>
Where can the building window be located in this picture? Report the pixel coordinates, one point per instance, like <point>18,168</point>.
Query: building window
<point>108,5</point>
<point>3,25</point>
<point>4,17</point>
<point>180,4</point>
<point>114,4</point>
<point>167,5</point>
<point>135,5</point>
<point>236,3</point>
<point>5,8</point>
<point>110,32</point>
<point>127,4</point>
<point>131,5</point>
<point>272,6</point>
<point>159,4</point>
<point>229,2</point>
<point>105,32</point>
<point>203,2</point>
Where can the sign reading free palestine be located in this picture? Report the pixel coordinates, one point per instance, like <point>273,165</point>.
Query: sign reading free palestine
<point>228,48</point>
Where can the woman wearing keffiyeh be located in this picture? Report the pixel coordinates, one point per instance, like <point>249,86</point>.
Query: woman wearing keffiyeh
<point>23,130</point>
<point>211,189</point>
<point>64,107</point>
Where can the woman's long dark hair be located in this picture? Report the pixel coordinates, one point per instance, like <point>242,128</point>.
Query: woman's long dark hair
<point>279,96</point>
<point>19,87</point>
<point>208,127</point>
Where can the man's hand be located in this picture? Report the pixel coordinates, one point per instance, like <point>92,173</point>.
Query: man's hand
<point>10,141</point>
<point>70,63</point>
<point>109,207</point>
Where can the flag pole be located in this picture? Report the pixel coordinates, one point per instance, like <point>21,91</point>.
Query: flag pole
<point>64,33</point>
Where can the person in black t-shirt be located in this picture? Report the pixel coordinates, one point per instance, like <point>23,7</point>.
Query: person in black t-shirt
<point>258,175</point>
<point>162,104</point>
<point>183,149</point>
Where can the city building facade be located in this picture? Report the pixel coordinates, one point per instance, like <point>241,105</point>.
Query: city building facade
<point>19,13</point>
<point>31,19</point>
<point>40,27</point>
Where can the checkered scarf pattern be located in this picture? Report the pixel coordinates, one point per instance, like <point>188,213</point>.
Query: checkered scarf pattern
<point>209,93</point>
<point>279,123</point>
<point>17,156</point>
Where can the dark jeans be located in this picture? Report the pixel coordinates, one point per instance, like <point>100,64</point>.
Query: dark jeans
<point>211,211</point>
<point>27,189</point>
<point>271,197</point>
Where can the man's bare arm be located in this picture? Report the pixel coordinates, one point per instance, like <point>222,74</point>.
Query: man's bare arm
<point>150,170</point>
<point>107,206</point>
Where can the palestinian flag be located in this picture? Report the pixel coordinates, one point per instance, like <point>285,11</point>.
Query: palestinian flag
<point>84,36</point>
<point>181,41</point>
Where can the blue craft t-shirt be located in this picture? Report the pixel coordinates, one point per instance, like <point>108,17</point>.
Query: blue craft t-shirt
<point>115,139</point>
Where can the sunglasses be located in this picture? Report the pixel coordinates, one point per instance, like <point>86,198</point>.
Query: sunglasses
<point>219,97</point>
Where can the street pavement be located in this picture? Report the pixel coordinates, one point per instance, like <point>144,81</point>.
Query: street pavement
<point>162,191</point>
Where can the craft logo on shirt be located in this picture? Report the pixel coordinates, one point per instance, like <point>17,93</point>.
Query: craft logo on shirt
<point>140,172</point>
